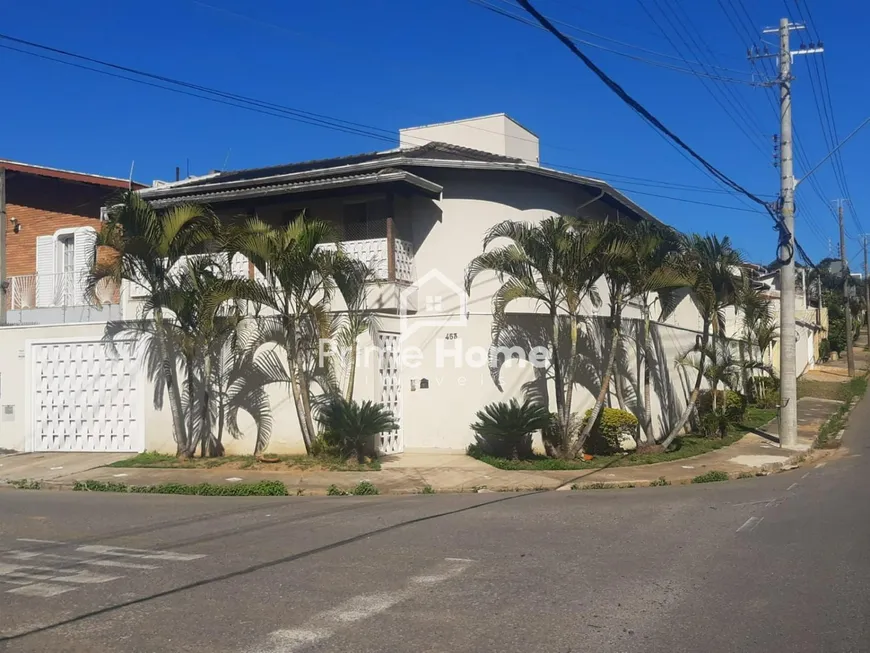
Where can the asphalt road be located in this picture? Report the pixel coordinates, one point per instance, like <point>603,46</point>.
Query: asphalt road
<point>770,564</point>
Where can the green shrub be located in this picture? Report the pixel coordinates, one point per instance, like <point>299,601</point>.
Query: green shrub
<point>259,489</point>
<point>427,489</point>
<point>505,430</point>
<point>335,491</point>
<point>712,476</point>
<point>612,427</point>
<point>26,484</point>
<point>99,486</point>
<point>734,403</point>
<point>730,409</point>
<point>661,481</point>
<point>364,488</point>
<point>824,349</point>
<point>351,426</point>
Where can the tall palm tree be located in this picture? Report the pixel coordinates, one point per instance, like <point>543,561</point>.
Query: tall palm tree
<point>352,280</point>
<point>555,264</point>
<point>717,273</point>
<point>642,259</point>
<point>299,275</point>
<point>141,245</point>
<point>759,326</point>
<point>661,269</point>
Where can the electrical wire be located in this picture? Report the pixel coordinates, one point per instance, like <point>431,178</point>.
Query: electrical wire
<point>519,18</point>
<point>786,249</point>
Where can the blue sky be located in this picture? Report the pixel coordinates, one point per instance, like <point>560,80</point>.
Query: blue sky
<point>398,63</point>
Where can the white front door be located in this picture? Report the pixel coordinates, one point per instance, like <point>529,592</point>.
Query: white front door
<point>83,398</point>
<point>390,375</point>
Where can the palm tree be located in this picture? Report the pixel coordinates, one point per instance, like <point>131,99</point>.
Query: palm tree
<point>142,246</point>
<point>759,327</point>
<point>554,264</point>
<point>299,273</point>
<point>716,281</point>
<point>642,259</point>
<point>352,281</point>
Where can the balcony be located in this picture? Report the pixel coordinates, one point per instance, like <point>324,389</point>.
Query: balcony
<point>57,299</point>
<point>377,244</point>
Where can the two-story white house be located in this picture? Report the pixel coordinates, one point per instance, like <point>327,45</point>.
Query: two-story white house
<point>417,214</point>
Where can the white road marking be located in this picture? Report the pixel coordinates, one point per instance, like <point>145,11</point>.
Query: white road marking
<point>29,555</point>
<point>49,573</point>
<point>29,539</point>
<point>820,465</point>
<point>805,475</point>
<point>32,579</point>
<point>41,590</point>
<point>145,554</point>
<point>791,487</point>
<point>323,626</point>
<point>750,524</point>
<point>119,475</point>
<point>233,479</point>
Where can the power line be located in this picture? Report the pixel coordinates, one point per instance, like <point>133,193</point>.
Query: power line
<point>785,235</point>
<point>285,112</point>
<point>519,18</point>
<point>708,87</point>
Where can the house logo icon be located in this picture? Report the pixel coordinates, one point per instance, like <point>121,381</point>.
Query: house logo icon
<point>424,304</point>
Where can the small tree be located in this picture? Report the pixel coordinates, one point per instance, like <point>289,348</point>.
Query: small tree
<point>352,426</point>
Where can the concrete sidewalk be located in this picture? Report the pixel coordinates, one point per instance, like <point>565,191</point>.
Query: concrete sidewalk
<point>409,473</point>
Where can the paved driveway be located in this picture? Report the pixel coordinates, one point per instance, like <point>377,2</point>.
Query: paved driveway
<point>47,466</point>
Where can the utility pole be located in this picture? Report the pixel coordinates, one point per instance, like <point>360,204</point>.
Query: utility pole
<point>850,356</point>
<point>788,251</point>
<point>4,282</point>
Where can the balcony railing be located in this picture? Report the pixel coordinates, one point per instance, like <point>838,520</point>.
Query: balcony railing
<point>61,290</point>
<point>390,259</point>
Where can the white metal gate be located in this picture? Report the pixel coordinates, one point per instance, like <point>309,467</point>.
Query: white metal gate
<point>390,442</point>
<point>84,398</point>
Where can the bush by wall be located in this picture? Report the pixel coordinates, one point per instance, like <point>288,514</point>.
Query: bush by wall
<point>613,426</point>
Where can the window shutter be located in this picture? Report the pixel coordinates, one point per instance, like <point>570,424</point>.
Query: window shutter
<point>45,279</point>
<point>84,245</point>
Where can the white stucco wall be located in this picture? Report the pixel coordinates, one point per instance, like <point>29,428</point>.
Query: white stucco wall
<point>498,134</point>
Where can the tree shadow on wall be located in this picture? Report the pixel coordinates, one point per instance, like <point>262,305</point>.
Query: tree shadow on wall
<point>211,405</point>
<point>525,332</point>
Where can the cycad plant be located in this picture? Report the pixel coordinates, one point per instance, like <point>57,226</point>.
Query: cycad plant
<point>353,426</point>
<point>505,429</point>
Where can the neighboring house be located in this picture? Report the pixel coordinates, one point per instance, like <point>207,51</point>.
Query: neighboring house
<point>52,217</point>
<point>418,215</point>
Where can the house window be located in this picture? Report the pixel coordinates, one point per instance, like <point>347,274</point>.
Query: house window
<point>62,262</point>
<point>66,254</point>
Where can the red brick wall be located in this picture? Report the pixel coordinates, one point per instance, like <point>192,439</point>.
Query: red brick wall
<point>42,206</point>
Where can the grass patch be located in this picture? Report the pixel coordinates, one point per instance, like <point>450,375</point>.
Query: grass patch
<point>852,389</point>
<point>427,489</point>
<point>260,489</point>
<point>683,447</point>
<point>323,462</point>
<point>661,481</point>
<point>713,476</point>
<point>855,387</point>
